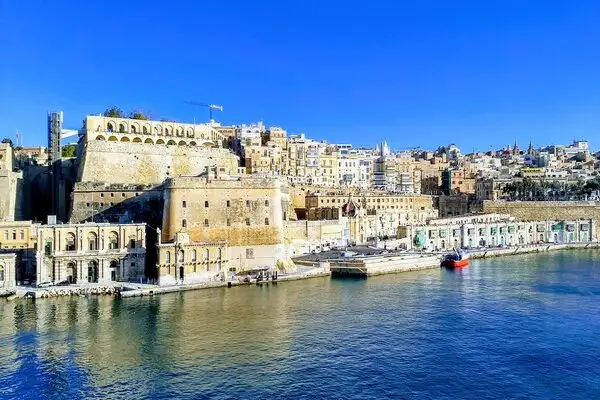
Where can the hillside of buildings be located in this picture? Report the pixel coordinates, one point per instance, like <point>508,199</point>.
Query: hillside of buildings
<point>161,200</point>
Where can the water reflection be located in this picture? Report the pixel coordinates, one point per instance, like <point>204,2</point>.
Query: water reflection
<point>256,341</point>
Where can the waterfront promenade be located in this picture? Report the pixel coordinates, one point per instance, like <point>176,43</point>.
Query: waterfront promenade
<point>372,261</point>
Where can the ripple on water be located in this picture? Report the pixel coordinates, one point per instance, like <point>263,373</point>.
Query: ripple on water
<point>520,327</point>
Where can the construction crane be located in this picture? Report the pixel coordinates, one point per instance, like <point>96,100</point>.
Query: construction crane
<point>210,107</point>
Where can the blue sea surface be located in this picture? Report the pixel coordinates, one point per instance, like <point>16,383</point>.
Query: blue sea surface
<point>522,327</point>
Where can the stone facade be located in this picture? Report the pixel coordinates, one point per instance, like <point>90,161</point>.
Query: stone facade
<point>546,210</point>
<point>497,230</point>
<point>91,252</point>
<point>11,184</point>
<point>117,203</point>
<point>405,207</point>
<point>8,266</point>
<point>143,164</point>
<point>20,237</point>
<point>246,212</point>
<point>183,261</point>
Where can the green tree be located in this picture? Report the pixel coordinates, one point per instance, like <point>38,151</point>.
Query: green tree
<point>7,140</point>
<point>138,115</point>
<point>69,150</point>
<point>114,112</point>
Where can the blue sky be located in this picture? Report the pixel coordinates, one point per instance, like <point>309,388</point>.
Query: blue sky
<point>419,73</point>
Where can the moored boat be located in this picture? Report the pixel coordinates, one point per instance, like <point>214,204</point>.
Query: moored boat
<point>458,259</point>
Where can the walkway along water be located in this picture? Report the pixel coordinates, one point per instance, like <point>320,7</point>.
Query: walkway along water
<point>352,266</point>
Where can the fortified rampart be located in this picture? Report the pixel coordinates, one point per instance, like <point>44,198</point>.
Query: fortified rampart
<point>117,203</point>
<point>546,210</point>
<point>144,163</point>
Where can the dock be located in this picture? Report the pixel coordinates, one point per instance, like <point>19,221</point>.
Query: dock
<point>379,265</point>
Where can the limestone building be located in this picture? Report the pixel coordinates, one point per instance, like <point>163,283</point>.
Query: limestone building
<point>11,185</point>
<point>245,212</point>
<point>123,163</point>
<point>497,230</point>
<point>8,277</point>
<point>183,261</point>
<point>20,238</point>
<point>91,252</point>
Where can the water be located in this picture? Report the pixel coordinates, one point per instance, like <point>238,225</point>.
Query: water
<point>519,327</point>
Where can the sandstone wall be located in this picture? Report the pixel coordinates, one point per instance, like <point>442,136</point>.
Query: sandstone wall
<point>546,210</point>
<point>141,163</point>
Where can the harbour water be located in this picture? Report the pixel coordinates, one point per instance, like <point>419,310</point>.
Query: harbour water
<point>517,327</point>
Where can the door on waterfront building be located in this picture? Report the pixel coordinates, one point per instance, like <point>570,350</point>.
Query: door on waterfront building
<point>443,244</point>
<point>181,270</point>
<point>93,272</point>
<point>71,273</point>
<point>571,237</point>
<point>114,271</point>
<point>501,240</point>
<point>541,237</point>
<point>521,239</point>
<point>556,238</point>
<point>470,242</point>
<point>493,240</point>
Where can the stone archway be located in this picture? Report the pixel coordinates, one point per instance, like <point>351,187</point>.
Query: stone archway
<point>93,272</point>
<point>114,271</point>
<point>71,272</point>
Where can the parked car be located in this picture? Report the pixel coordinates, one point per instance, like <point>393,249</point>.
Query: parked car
<point>63,283</point>
<point>44,284</point>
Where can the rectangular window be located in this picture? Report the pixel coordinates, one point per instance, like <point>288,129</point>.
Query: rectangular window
<point>228,204</point>
<point>22,235</point>
<point>132,243</point>
<point>247,203</point>
<point>5,235</point>
<point>206,222</point>
<point>206,204</point>
<point>250,253</point>
<point>183,204</point>
<point>248,221</point>
<point>228,222</point>
<point>183,223</point>
<point>14,235</point>
<point>266,221</point>
<point>266,203</point>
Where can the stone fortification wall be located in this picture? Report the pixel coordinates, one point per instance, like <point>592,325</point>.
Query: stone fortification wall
<point>546,210</point>
<point>117,203</point>
<point>242,211</point>
<point>142,163</point>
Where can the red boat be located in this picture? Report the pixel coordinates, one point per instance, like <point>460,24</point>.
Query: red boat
<point>458,259</point>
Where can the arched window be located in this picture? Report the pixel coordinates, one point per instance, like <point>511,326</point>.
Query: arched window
<point>145,130</point>
<point>178,132</point>
<point>121,128</point>
<point>92,241</point>
<point>113,240</point>
<point>133,129</point>
<point>168,257</point>
<point>166,131</point>
<point>181,256</point>
<point>109,127</point>
<point>194,255</point>
<point>70,242</point>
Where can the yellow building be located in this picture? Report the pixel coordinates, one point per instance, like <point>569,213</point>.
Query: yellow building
<point>183,261</point>
<point>245,212</point>
<point>90,252</point>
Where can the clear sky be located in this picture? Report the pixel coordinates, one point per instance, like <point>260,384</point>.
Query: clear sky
<point>418,73</point>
